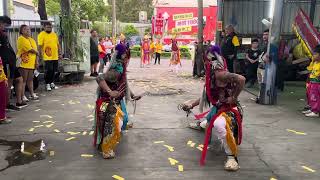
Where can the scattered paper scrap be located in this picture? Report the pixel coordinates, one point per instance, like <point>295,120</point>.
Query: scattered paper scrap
<point>200,148</point>
<point>91,119</point>
<point>73,133</point>
<point>180,168</point>
<point>71,138</point>
<point>296,132</point>
<point>84,133</point>
<point>38,126</point>
<point>201,145</point>
<point>70,123</point>
<point>71,102</point>
<point>173,161</point>
<point>87,155</point>
<point>56,130</point>
<point>170,148</point>
<point>192,144</point>
<point>35,121</point>
<point>51,153</point>
<point>78,102</point>
<point>90,106</point>
<point>189,143</point>
<point>55,100</point>
<point>91,133</point>
<point>273,178</point>
<point>31,129</point>
<point>49,125</point>
<point>46,122</point>
<point>158,142</point>
<point>62,104</point>
<point>46,116</point>
<point>118,177</point>
<point>37,110</point>
<point>308,169</point>
<point>90,116</point>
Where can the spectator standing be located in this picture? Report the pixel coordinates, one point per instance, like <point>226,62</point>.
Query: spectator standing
<point>3,97</point>
<point>27,53</point>
<point>252,56</point>
<point>9,65</point>
<point>230,48</point>
<point>158,51</point>
<point>94,53</point>
<point>102,54</point>
<point>264,57</point>
<point>109,46</point>
<point>49,49</point>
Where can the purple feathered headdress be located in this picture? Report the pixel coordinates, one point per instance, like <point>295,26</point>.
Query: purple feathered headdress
<point>215,49</point>
<point>121,49</point>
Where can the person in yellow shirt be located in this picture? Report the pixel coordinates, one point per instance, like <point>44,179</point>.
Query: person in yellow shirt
<point>313,92</point>
<point>49,51</point>
<point>158,51</point>
<point>3,97</point>
<point>27,52</point>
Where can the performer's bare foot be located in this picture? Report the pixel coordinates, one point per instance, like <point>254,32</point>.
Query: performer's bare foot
<point>231,164</point>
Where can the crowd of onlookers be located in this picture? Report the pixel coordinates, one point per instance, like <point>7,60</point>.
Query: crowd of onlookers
<point>17,69</point>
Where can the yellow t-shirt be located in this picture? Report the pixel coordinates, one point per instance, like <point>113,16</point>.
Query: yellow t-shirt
<point>2,74</point>
<point>24,45</point>
<point>235,41</point>
<point>315,72</point>
<point>152,46</point>
<point>49,44</point>
<point>158,48</point>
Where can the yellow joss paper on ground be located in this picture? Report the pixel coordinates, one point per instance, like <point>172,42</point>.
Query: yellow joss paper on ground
<point>118,177</point>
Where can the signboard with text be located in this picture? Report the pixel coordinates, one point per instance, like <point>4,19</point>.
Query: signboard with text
<point>177,17</point>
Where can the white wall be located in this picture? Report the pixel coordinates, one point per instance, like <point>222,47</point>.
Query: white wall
<point>1,7</point>
<point>21,12</point>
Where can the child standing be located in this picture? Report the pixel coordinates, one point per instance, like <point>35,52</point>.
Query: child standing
<point>3,97</point>
<point>314,85</point>
<point>158,50</point>
<point>252,56</point>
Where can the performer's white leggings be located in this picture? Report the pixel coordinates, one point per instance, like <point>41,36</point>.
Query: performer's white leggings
<point>220,128</point>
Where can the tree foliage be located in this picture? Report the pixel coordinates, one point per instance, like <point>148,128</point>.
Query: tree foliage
<point>93,10</point>
<point>128,10</point>
<point>130,30</point>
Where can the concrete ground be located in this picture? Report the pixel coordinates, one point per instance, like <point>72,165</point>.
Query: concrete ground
<point>278,142</point>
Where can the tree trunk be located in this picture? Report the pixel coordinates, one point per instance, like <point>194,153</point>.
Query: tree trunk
<point>42,10</point>
<point>114,19</point>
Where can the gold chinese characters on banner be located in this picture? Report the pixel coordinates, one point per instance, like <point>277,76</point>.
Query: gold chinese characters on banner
<point>177,17</point>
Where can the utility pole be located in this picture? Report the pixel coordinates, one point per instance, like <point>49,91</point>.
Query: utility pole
<point>114,20</point>
<point>199,62</point>
<point>268,93</point>
<point>5,7</point>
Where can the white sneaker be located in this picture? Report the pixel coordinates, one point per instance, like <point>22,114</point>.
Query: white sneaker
<point>34,97</point>
<point>312,114</point>
<point>53,86</point>
<point>25,99</point>
<point>306,111</point>
<point>231,164</point>
<point>48,87</point>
